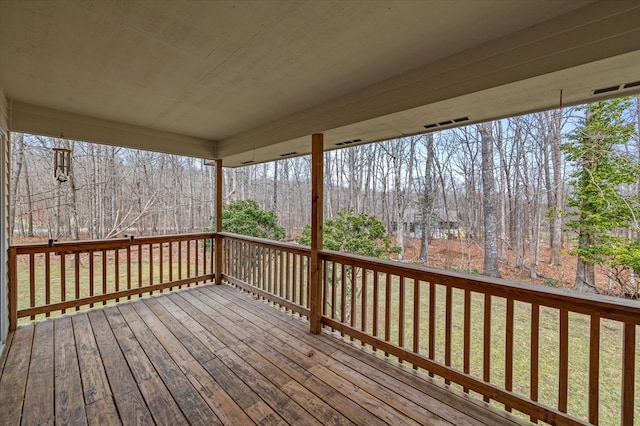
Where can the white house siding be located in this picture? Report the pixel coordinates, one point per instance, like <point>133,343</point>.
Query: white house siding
<point>4,218</point>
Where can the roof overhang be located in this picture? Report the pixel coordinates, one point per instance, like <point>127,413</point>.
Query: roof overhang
<point>248,82</point>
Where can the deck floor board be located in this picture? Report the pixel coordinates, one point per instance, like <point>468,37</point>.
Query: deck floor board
<point>213,355</point>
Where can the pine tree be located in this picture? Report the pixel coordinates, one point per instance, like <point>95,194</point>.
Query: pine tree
<point>599,204</point>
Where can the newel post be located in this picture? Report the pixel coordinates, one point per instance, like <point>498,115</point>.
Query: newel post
<point>13,289</point>
<point>218,225</point>
<point>317,192</point>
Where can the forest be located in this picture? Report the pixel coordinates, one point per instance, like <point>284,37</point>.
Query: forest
<point>521,192</point>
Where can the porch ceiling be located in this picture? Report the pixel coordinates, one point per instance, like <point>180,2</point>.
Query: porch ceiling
<point>248,81</point>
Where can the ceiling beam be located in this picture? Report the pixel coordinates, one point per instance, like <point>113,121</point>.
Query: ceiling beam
<point>48,122</point>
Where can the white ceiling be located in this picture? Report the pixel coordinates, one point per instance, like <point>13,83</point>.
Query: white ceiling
<point>251,80</point>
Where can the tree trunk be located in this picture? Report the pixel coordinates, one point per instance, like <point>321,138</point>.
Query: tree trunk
<point>555,224</point>
<point>427,201</point>
<point>490,204</point>
<point>585,274</point>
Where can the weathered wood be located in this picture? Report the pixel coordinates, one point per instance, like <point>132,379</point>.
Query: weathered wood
<point>183,392</point>
<point>563,361</point>
<point>218,224</point>
<point>218,400</point>
<point>69,401</point>
<point>317,196</point>
<point>628,373</point>
<point>508,365</point>
<point>39,394</point>
<point>13,289</point>
<point>127,396</point>
<point>94,379</point>
<point>594,369</point>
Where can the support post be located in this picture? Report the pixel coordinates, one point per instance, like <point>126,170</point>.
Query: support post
<point>317,192</point>
<point>13,290</point>
<point>218,226</point>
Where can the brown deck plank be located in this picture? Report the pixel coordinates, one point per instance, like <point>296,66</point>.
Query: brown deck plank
<point>14,378</point>
<point>220,402</point>
<point>128,398</point>
<point>69,400</point>
<point>272,383</point>
<point>242,394</point>
<point>102,412</point>
<point>163,407</point>
<point>94,378</point>
<point>194,407</point>
<point>475,411</point>
<point>39,393</point>
<point>375,390</point>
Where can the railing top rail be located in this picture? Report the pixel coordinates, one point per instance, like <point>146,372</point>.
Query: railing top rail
<point>106,244</point>
<point>290,247</point>
<point>619,309</point>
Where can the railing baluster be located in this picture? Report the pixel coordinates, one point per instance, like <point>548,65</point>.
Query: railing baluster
<point>343,295</point>
<point>594,368</point>
<point>151,266</point>
<point>288,282</point>
<point>196,260</point>
<point>188,242</point>
<point>76,276</point>
<point>535,353</point>
<point>104,274</point>
<point>416,318</point>
<point>325,284</point>
<point>401,306</point>
<point>47,281</point>
<point>128,268</point>
<point>139,268</point>
<point>294,284</point>
<point>179,261</point>
<point>563,379</point>
<point>628,373</point>
<point>116,256</point>
<point>63,279</point>
<point>352,299</point>
<point>32,282</point>
<point>466,335</point>
<point>160,263</point>
<point>447,327</point>
<point>486,355</point>
<point>508,365</point>
<point>387,310</point>
<point>363,302</point>
<point>270,282</point>
<point>375,302</point>
<point>91,276</point>
<point>432,322</point>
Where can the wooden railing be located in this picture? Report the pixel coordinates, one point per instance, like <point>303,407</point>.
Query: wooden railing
<point>56,277</point>
<point>277,272</point>
<point>553,355</point>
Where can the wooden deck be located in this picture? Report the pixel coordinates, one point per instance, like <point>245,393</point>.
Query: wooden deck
<point>212,355</point>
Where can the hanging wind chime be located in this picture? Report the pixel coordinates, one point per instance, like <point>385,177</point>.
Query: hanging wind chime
<point>61,164</point>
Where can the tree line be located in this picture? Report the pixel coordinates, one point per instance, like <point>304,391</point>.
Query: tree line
<point>506,185</point>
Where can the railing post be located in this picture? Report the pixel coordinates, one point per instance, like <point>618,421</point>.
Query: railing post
<point>315,282</point>
<point>218,227</point>
<point>13,289</point>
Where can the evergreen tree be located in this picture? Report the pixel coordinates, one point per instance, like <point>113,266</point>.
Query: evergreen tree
<point>247,218</point>
<point>599,203</point>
